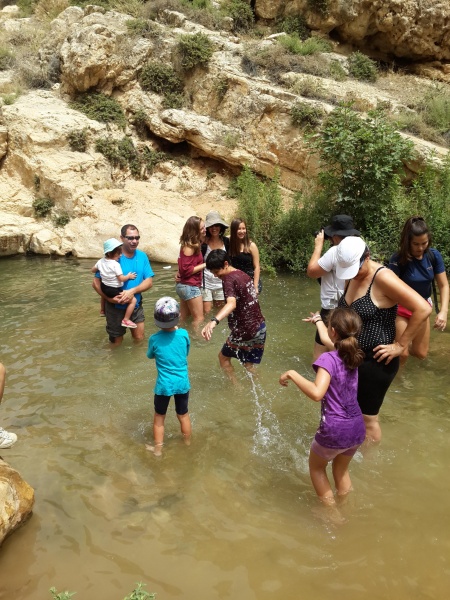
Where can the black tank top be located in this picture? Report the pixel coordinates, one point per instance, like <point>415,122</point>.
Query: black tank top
<point>378,323</point>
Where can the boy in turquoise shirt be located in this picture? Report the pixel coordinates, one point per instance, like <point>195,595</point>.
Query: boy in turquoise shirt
<point>170,348</point>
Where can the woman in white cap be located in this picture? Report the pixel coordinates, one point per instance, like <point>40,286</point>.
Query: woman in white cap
<point>212,288</point>
<point>374,291</point>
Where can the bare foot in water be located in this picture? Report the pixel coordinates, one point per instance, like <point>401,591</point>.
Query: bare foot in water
<point>330,514</point>
<point>156,449</point>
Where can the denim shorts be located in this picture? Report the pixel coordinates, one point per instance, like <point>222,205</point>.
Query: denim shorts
<point>187,292</point>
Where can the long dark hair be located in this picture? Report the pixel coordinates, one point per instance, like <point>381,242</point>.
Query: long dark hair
<point>413,227</point>
<point>347,324</point>
<point>235,242</point>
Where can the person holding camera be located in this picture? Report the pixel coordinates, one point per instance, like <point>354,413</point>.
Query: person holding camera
<point>324,268</point>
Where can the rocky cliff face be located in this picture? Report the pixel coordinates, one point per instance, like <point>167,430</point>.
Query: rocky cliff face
<point>231,116</point>
<point>412,29</point>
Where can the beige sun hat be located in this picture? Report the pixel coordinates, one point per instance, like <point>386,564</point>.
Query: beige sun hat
<point>213,218</point>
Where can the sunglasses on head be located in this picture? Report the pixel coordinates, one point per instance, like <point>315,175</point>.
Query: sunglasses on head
<point>132,237</point>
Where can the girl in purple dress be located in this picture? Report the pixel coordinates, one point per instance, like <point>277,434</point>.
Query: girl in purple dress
<point>341,430</point>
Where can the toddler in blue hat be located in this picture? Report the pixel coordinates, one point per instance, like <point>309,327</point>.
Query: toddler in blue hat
<point>112,278</point>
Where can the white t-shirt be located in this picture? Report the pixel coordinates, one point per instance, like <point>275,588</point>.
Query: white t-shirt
<point>331,287</point>
<point>211,282</point>
<point>109,269</point>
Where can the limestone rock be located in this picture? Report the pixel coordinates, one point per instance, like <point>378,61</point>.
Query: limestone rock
<point>16,500</point>
<point>98,53</point>
<point>413,29</point>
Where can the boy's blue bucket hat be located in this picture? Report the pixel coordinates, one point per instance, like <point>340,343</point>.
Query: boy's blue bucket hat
<point>111,245</point>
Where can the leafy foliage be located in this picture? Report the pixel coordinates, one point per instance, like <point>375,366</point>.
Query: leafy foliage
<point>78,140</point>
<point>362,67</point>
<point>259,205</point>
<point>294,24</point>
<point>143,27</point>
<point>361,160</point>
<point>196,49</point>
<point>306,114</point>
<point>99,107</point>
<point>160,78</point>
<point>43,206</point>
<point>312,45</point>
<point>241,13</point>
<point>123,154</point>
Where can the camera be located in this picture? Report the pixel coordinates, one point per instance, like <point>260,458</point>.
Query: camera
<point>316,233</point>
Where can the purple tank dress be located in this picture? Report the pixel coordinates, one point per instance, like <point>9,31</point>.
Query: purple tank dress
<point>341,424</point>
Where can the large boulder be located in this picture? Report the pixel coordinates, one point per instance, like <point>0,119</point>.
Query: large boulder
<point>16,500</point>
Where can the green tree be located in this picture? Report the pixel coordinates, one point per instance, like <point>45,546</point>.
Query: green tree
<point>361,162</point>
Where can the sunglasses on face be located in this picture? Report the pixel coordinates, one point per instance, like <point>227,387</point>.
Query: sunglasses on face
<point>130,238</point>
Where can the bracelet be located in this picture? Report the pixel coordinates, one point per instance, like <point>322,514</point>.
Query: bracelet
<point>317,320</point>
<point>216,320</point>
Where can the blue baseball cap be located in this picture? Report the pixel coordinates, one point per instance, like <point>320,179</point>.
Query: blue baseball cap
<point>111,245</point>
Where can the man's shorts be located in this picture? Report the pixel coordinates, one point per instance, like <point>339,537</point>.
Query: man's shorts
<point>187,292</point>
<point>114,318</point>
<point>210,295</point>
<point>246,351</point>
<point>162,402</point>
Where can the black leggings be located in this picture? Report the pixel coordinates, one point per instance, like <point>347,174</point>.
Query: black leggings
<point>374,379</point>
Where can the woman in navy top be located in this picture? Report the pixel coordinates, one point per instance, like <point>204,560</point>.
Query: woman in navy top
<point>417,264</point>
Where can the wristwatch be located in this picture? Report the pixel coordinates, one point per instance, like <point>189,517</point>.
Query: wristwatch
<point>216,320</point>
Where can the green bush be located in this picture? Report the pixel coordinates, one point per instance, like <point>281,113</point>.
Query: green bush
<point>360,159</point>
<point>336,71</point>
<point>43,206</point>
<point>123,154</point>
<point>294,24</point>
<point>160,78</point>
<point>99,107</point>
<point>195,50</point>
<point>259,205</point>
<point>312,45</point>
<point>150,158</point>
<point>221,86</point>
<point>143,28</point>
<point>319,6</point>
<point>303,114</point>
<point>435,108</point>
<point>62,219</point>
<point>140,123</point>
<point>362,67</point>
<point>78,140</point>
<point>242,14</point>
<point>173,100</point>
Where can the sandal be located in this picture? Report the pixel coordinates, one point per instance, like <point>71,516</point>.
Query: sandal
<point>130,324</point>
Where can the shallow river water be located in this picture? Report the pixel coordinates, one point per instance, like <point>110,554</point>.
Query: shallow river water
<point>234,515</point>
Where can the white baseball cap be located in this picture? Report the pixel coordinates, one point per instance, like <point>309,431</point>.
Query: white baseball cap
<point>348,255</point>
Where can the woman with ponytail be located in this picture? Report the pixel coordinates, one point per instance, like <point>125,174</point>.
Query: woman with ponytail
<point>341,430</point>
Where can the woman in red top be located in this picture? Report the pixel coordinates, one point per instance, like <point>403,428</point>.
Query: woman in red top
<point>190,267</point>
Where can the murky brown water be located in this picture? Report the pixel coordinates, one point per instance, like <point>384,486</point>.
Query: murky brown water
<point>233,515</point>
